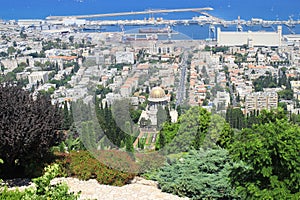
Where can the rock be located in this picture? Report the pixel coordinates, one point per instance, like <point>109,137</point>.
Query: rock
<point>142,181</point>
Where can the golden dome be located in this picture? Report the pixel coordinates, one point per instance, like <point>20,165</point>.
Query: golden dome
<point>157,92</point>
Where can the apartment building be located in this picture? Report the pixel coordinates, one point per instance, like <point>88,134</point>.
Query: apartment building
<point>258,101</point>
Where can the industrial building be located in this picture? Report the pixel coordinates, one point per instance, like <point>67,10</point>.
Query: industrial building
<point>252,39</point>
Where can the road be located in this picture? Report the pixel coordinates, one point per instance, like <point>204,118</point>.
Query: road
<point>231,91</point>
<point>180,96</point>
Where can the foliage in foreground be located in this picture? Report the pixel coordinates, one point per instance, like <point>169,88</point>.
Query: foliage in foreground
<point>194,129</point>
<point>84,166</point>
<point>271,155</point>
<point>28,128</point>
<point>43,190</point>
<point>188,132</point>
<point>198,175</point>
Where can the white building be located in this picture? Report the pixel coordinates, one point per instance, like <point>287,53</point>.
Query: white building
<point>124,57</point>
<point>222,100</point>
<point>41,76</point>
<point>125,90</point>
<point>156,98</point>
<point>249,38</point>
<point>258,101</point>
<point>30,22</point>
<point>292,39</point>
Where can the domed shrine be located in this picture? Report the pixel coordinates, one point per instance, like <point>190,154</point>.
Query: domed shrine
<point>156,98</point>
<point>157,93</point>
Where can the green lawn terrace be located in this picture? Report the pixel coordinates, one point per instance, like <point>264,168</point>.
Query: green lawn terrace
<point>146,139</point>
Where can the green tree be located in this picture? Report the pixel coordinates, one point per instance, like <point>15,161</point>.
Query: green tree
<point>219,133</point>
<point>135,114</point>
<point>235,117</point>
<point>271,157</point>
<point>265,82</point>
<point>28,128</point>
<point>71,39</point>
<point>161,141</point>
<point>67,116</point>
<point>2,67</point>
<point>3,54</point>
<point>193,126</point>
<point>10,77</point>
<point>161,116</point>
<point>168,116</point>
<point>202,128</point>
<point>267,116</point>
<point>22,35</point>
<point>89,134</point>
<point>169,131</point>
<point>118,117</point>
<point>286,94</point>
<point>129,144</point>
<point>11,50</point>
<point>15,43</point>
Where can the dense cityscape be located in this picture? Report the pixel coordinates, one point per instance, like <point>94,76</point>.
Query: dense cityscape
<point>151,110</point>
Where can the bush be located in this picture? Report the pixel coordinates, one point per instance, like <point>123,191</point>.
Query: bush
<point>198,175</point>
<point>28,128</point>
<point>43,190</point>
<point>84,166</point>
<point>6,194</point>
<point>270,155</point>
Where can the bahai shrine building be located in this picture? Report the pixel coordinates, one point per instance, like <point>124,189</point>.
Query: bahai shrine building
<point>156,98</point>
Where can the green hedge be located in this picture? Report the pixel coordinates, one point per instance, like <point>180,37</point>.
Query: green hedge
<point>84,166</point>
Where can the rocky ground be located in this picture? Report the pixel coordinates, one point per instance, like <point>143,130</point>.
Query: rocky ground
<point>139,189</point>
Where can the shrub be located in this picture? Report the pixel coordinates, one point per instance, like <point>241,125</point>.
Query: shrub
<point>198,175</point>
<point>270,156</point>
<point>6,194</point>
<point>84,166</point>
<point>28,128</point>
<point>43,190</point>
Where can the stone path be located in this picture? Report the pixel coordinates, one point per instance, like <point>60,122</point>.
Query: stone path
<point>139,189</point>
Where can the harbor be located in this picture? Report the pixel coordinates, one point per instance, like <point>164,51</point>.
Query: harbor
<point>201,26</point>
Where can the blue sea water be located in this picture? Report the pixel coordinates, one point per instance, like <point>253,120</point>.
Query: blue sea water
<point>226,9</point>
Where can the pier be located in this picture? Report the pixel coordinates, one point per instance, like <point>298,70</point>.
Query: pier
<point>201,21</point>
<point>80,22</point>
<point>128,13</point>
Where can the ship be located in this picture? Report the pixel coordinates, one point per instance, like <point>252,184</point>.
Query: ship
<point>140,37</point>
<point>93,28</point>
<point>155,30</point>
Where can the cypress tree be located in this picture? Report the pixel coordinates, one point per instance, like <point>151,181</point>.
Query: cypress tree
<point>162,140</point>
<point>129,145</point>
<point>67,120</point>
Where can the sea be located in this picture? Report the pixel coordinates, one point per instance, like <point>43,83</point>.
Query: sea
<point>225,9</point>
